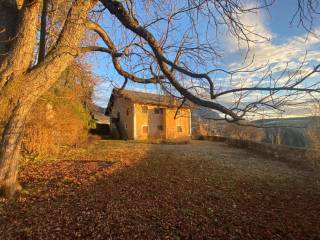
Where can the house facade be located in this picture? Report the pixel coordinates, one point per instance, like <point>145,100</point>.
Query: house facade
<point>145,116</point>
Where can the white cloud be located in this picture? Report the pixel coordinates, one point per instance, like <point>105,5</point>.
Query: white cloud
<point>263,49</point>
<point>293,50</point>
<point>284,58</point>
<point>287,56</point>
<point>254,29</point>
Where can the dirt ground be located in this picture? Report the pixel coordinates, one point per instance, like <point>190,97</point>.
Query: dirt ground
<point>130,190</point>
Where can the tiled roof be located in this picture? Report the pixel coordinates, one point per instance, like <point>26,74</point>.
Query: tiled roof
<point>145,98</point>
<point>149,98</point>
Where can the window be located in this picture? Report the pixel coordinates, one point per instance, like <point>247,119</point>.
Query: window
<point>126,126</point>
<point>145,129</point>
<point>158,110</point>
<point>160,127</point>
<point>128,111</point>
<point>144,109</point>
<point>179,129</point>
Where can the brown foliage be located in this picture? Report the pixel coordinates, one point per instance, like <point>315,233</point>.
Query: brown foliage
<point>61,117</point>
<point>235,131</point>
<point>44,136</point>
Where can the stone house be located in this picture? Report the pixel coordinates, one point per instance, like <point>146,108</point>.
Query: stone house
<point>145,116</point>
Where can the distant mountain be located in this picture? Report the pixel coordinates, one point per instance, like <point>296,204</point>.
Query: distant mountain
<point>98,109</point>
<point>98,114</point>
<point>205,113</point>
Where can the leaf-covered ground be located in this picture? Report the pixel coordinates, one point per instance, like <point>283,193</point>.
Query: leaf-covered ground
<point>129,190</point>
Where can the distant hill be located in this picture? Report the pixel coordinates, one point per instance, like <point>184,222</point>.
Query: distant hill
<point>301,122</point>
<point>98,114</point>
<point>204,113</point>
<point>99,109</point>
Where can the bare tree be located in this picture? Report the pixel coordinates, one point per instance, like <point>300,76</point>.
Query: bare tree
<point>313,130</point>
<point>236,131</point>
<point>170,43</point>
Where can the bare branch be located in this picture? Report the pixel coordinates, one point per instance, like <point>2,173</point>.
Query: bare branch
<point>114,54</point>
<point>117,9</point>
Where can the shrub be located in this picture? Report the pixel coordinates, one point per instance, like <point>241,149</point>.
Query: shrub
<point>62,116</point>
<point>240,132</point>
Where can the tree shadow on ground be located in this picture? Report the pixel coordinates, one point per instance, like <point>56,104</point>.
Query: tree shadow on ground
<point>150,191</point>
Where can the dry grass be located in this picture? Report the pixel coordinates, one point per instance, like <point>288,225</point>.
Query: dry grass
<point>130,190</point>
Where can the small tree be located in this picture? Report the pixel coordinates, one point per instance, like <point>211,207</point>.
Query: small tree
<point>236,131</point>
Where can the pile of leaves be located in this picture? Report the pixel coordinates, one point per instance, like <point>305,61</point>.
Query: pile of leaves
<point>129,190</point>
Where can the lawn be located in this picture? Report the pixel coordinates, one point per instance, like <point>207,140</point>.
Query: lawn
<point>131,190</point>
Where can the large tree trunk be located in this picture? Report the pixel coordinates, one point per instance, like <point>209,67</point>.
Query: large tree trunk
<point>17,29</point>
<point>21,86</point>
<point>10,150</point>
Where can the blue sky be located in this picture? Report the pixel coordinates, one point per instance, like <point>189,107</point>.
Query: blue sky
<point>287,44</point>
<point>279,20</point>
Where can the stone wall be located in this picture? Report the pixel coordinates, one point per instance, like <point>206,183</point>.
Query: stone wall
<point>124,109</point>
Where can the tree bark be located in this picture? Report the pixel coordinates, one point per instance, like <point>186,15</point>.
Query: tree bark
<point>10,150</point>
<point>19,58</point>
<point>21,89</point>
